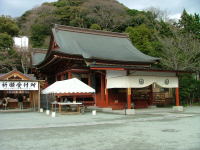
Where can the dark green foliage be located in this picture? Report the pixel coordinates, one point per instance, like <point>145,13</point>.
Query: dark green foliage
<point>9,26</point>
<point>164,29</point>
<point>6,41</point>
<point>38,34</point>
<point>190,23</point>
<point>95,27</point>
<point>144,39</point>
<point>189,88</point>
<point>9,60</point>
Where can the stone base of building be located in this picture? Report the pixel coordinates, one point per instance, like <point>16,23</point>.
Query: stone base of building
<point>177,108</point>
<point>109,110</point>
<point>130,111</point>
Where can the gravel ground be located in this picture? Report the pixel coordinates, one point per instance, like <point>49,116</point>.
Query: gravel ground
<point>153,130</point>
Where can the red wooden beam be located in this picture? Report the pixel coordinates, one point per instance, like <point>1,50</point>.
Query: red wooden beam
<point>76,94</point>
<point>96,68</point>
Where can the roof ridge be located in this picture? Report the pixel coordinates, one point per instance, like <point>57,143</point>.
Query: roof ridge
<point>90,31</point>
<point>39,50</point>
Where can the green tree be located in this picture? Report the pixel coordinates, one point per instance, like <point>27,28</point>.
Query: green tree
<point>9,60</point>
<point>6,41</point>
<point>9,26</point>
<point>164,29</point>
<point>109,14</point>
<point>95,27</point>
<point>38,34</point>
<point>190,23</point>
<point>189,88</point>
<point>144,39</point>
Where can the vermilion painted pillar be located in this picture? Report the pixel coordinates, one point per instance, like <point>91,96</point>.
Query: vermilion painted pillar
<point>129,98</point>
<point>89,79</point>
<point>151,95</point>
<point>62,76</point>
<point>69,75</point>
<point>102,88</point>
<point>106,93</point>
<point>177,97</point>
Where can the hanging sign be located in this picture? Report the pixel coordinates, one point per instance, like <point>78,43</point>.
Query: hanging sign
<point>18,85</point>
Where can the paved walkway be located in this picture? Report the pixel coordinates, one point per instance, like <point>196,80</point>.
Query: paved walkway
<point>156,129</point>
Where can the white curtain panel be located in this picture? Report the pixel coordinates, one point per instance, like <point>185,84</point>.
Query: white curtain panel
<point>141,81</point>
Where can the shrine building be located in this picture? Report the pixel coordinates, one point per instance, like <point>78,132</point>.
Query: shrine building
<point>122,75</point>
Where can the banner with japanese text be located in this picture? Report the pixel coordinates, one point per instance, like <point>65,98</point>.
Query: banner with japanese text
<point>18,85</point>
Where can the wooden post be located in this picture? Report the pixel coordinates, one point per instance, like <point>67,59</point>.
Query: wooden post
<point>56,77</point>
<point>62,76</point>
<point>74,99</point>
<point>129,98</point>
<point>69,75</point>
<point>106,92</point>
<point>102,88</point>
<point>177,97</point>
<point>89,79</point>
<point>95,101</point>
<point>38,96</point>
<point>151,95</point>
<point>34,97</point>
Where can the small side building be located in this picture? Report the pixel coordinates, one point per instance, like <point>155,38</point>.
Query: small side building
<point>15,84</point>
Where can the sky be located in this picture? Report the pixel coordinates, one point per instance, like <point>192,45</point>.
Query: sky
<point>174,8</point>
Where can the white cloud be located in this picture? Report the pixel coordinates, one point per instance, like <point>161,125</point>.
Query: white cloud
<point>175,16</point>
<point>173,7</point>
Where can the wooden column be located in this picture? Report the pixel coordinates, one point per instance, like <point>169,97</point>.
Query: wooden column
<point>69,75</point>
<point>89,79</point>
<point>106,93</point>
<point>129,98</point>
<point>74,99</point>
<point>102,88</point>
<point>151,95</point>
<point>177,97</point>
<point>38,96</point>
<point>56,77</point>
<point>62,76</point>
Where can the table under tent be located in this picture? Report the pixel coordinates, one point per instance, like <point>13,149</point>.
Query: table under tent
<point>67,95</point>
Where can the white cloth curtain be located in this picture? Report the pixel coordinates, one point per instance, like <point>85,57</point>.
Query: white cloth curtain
<point>141,81</point>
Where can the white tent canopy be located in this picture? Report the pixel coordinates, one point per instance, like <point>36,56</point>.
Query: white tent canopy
<point>68,86</point>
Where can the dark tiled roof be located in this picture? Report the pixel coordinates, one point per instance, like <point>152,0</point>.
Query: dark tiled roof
<point>93,44</point>
<point>38,56</point>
